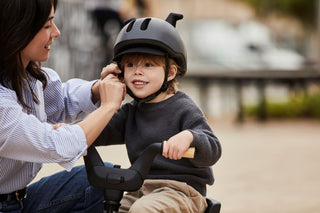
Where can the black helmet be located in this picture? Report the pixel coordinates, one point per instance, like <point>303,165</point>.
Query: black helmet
<point>152,36</point>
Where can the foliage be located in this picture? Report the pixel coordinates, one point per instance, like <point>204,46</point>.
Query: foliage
<point>304,10</point>
<point>302,106</point>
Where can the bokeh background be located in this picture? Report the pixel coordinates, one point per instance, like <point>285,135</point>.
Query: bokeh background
<point>253,68</point>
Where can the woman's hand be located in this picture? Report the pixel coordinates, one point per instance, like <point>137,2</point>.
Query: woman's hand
<point>109,69</point>
<point>112,91</point>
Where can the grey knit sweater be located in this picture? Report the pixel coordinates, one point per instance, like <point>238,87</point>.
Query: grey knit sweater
<point>138,125</point>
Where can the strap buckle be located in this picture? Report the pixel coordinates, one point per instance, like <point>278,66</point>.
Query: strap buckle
<point>20,195</point>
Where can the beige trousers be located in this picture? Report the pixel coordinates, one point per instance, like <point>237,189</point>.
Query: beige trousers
<point>163,196</point>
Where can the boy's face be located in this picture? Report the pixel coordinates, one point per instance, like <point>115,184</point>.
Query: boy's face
<point>143,75</point>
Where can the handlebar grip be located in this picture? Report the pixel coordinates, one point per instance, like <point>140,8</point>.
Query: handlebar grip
<point>188,154</point>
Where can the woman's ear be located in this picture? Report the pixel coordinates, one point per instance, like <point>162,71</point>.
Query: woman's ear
<point>172,72</point>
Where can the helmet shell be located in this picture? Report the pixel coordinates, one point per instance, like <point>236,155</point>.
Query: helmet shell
<point>151,36</point>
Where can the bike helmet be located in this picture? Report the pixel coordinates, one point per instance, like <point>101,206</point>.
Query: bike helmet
<point>152,36</point>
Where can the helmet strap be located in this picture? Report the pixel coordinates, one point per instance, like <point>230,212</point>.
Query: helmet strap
<point>163,88</point>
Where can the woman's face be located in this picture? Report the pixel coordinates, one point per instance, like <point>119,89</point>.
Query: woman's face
<point>38,49</point>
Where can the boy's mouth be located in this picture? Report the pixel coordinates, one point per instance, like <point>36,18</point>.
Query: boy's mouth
<point>139,82</point>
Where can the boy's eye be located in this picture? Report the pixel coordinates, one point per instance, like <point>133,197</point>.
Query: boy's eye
<point>148,65</point>
<point>129,64</point>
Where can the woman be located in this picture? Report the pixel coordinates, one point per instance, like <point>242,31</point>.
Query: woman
<point>33,109</point>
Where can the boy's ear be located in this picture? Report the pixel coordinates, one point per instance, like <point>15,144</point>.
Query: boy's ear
<point>172,72</point>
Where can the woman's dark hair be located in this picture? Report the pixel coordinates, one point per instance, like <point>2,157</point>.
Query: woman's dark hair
<point>20,21</point>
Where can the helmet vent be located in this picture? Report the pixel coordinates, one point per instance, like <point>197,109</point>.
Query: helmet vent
<point>129,28</point>
<point>145,24</point>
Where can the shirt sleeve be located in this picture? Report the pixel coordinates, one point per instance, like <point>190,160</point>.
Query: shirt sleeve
<point>208,147</point>
<point>67,102</point>
<point>24,137</point>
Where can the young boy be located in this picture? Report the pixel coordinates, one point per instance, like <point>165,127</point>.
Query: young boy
<point>152,55</point>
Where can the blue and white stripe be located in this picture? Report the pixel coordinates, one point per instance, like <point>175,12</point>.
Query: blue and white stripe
<point>27,139</point>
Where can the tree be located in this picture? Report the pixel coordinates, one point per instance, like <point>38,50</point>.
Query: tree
<point>304,10</point>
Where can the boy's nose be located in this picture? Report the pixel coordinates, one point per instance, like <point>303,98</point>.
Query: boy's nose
<point>138,70</point>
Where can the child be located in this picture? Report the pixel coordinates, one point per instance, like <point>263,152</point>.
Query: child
<point>152,55</point>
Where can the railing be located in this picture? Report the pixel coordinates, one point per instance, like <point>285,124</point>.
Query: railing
<point>294,79</point>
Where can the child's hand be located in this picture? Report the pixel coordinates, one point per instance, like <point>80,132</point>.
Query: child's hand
<point>177,145</point>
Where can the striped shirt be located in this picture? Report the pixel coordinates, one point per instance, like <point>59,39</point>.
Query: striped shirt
<point>27,138</point>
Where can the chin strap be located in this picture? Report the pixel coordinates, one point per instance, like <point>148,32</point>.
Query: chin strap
<point>163,88</point>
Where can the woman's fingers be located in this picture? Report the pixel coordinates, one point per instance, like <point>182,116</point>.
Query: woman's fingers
<point>110,69</point>
<point>111,90</point>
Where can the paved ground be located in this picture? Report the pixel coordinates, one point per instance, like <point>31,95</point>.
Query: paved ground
<point>270,167</point>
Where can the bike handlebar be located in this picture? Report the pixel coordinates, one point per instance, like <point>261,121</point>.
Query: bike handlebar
<point>130,179</point>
